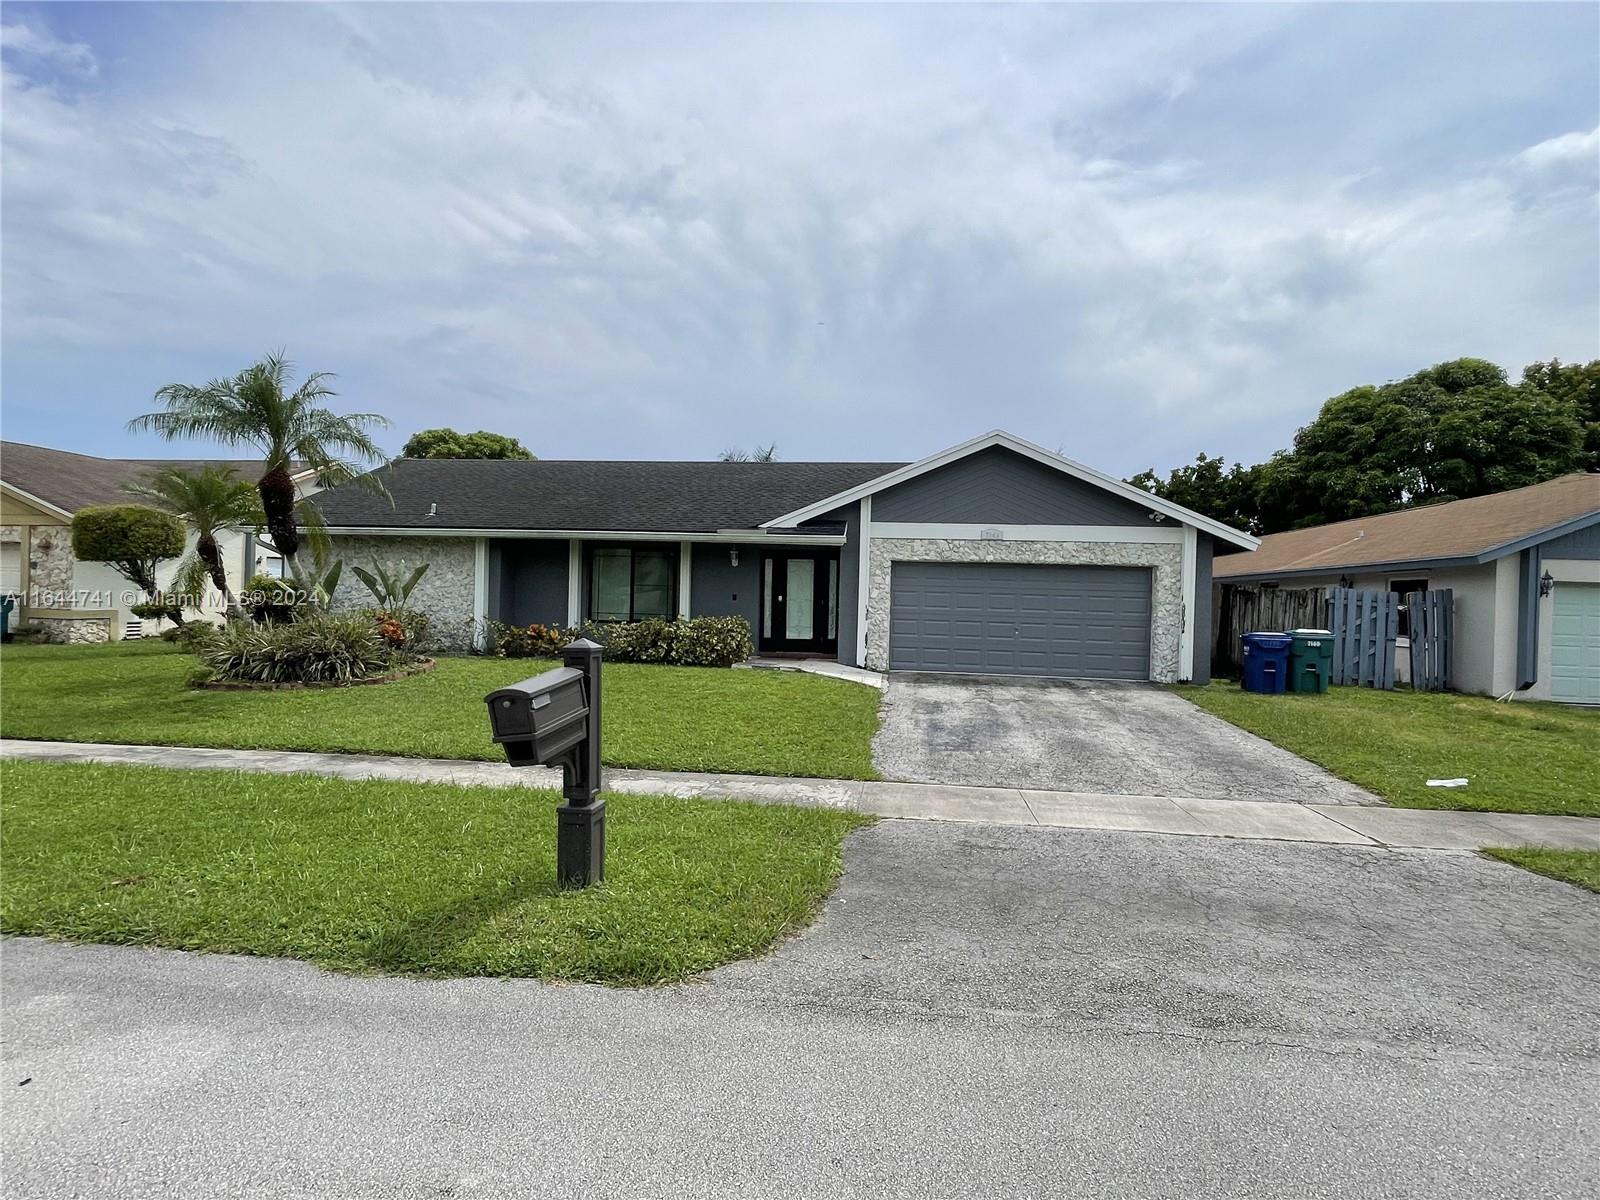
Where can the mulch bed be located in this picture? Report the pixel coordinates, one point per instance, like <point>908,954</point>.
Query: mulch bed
<point>421,667</point>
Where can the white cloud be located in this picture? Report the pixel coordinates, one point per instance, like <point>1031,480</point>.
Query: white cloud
<point>670,229</point>
<point>28,42</point>
<point>1575,147</point>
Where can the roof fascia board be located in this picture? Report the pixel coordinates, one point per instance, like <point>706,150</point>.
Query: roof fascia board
<point>598,535</point>
<point>37,500</point>
<point>1460,560</point>
<point>999,437</point>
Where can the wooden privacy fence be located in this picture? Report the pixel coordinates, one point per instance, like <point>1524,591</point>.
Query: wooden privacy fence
<point>1431,617</point>
<point>1366,623</point>
<point>1248,609</point>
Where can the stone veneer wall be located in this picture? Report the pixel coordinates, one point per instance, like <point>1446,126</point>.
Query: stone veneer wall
<point>445,593</point>
<point>1166,632</point>
<point>73,631</point>
<point>49,550</point>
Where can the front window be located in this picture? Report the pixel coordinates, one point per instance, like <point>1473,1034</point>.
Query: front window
<point>631,583</point>
<point>1402,588</point>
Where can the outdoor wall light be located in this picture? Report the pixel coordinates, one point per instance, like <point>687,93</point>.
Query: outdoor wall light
<point>1547,584</point>
<point>733,557</point>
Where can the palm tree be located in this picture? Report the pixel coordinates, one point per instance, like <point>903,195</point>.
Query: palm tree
<point>255,408</point>
<point>211,500</point>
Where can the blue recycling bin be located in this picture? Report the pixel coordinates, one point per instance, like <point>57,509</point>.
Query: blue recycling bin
<point>1266,662</point>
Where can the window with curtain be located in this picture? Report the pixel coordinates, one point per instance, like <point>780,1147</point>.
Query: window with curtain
<point>632,583</point>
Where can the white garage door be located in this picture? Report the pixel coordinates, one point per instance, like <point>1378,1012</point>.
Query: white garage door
<point>1575,643</point>
<point>10,568</point>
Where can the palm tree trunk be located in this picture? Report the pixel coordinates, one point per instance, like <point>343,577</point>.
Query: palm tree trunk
<point>277,502</point>
<point>211,554</point>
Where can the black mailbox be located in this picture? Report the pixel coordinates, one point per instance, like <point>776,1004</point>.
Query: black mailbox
<point>541,718</point>
<point>554,719</point>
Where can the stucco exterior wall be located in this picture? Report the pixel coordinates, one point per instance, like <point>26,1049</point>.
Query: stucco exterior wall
<point>1167,587</point>
<point>446,593</point>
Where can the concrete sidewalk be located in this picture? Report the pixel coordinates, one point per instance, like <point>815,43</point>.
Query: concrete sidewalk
<point>1334,824</point>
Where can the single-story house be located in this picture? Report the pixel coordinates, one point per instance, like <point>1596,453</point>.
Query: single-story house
<point>993,557</point>
<point>74,601</point>
<point>1523,565</point>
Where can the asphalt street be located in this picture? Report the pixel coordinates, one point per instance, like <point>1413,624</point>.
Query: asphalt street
<point>981,1011</point>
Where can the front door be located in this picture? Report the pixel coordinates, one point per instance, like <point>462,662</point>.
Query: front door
<point>800,601</point>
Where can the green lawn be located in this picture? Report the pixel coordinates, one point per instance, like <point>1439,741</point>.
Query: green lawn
<point>664,718</point>
<point>1522,757</point>
<point>409,878</point>
<point>1581,867</point>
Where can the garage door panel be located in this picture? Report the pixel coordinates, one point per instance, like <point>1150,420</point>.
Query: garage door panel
<point>1575,643</point>
<point>1061,621</point>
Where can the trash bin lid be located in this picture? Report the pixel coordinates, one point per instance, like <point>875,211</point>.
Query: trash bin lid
<point>1268,641</point>
<point>1312,632</point>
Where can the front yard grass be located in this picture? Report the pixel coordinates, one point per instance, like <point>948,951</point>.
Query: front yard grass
<point>1581,867</point>
<point>1522,757</point>
<point>409,878</point>
<point>661,718</point>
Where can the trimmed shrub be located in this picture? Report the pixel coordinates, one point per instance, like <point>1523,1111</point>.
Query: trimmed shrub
<point>316,648</point>
<point>191,635</point>
<point>405,629</point>
<point>132,538</point>
<point>528,641</point>
<point>272,601</point>
<point>695,642</point>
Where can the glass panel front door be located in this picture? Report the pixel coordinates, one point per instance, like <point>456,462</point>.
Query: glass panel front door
<point>799,602</point>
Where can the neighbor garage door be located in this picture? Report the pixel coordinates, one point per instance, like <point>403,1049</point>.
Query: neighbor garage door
<point>1575,643</point>
<point>994,619</point>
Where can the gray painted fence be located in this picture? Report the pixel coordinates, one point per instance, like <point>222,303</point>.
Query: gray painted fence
<point>1366,622</point>
<point>1432,620</point>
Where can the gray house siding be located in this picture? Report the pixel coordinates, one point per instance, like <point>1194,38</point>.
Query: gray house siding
<point>1201,663</point>
<point>1582,544</point>
<point>528,581</point>
<point>849,578</point>
<point>997,486</point>
<point>717,588</point>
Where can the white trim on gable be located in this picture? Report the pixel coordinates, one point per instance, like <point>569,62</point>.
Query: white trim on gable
<point>957,532</point>
<point>36,501</point>
<point>999,437</point>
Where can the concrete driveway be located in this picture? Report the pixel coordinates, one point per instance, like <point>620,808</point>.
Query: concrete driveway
<point>981,1011</point>
<point>1081,736</point>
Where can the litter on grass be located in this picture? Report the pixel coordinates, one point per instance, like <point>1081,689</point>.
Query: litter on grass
<point>1447,783</point>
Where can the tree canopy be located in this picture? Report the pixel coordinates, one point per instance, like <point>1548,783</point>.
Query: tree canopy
<point>447,443</point>
<point>1455,430</point>
<point>132,538</point>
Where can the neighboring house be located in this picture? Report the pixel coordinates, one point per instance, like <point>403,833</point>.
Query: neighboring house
<point>76,601</point>
<point>993,557</point>
<point>1524,567</point>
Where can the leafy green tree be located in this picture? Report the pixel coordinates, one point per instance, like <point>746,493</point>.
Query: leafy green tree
<point>1209,487</point>
<point>447,443</point>
<point>1579,383</point>
<point>133,539</point>
<point>211,501</point>
<point>255,408</point>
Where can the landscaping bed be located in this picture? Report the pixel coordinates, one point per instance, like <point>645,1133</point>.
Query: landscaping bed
<point>655,717</point>
<point>1517,757</point>
<point>410,878</point>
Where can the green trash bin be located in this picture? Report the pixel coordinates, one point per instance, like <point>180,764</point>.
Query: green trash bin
<point>1310,659</point>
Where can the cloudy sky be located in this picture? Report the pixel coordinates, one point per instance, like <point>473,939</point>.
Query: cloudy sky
<point>1130,233</point>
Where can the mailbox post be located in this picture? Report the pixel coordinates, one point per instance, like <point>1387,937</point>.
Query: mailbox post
<point>581,821</point>
<point>554,720</point>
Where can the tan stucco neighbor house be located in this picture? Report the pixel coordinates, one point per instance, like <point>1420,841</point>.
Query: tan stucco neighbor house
<point>1524,567</point>
<point>993,557</point>
<point>74,601</point>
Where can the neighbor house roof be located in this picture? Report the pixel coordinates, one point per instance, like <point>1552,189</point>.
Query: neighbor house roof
<point>68,481</point>
<point>1476,530</point>
<point>578,496</point>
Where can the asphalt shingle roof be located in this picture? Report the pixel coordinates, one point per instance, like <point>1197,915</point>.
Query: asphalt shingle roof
<point>603,496</point>
<point>72,481</point>
<point>1460,529</point>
